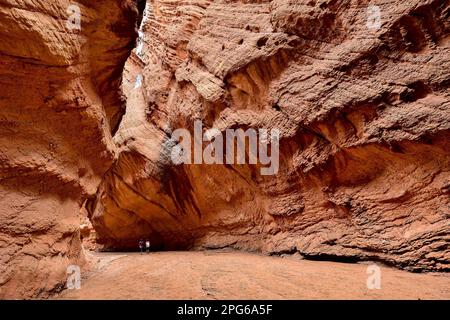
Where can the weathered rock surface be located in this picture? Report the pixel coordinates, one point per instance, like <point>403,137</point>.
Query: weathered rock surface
<point>59,103</point>
<point>364,118</point>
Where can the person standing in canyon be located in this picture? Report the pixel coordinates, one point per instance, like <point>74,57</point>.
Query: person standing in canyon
<point>147,246</point>
<point>141,246</point>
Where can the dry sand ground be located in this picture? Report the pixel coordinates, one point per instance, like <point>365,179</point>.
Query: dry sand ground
<point>234,275</point>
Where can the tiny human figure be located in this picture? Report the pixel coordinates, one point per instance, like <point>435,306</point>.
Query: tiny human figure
<point>141,246</point>
<point>147,246</point>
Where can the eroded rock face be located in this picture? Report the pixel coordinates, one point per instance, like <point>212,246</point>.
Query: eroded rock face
<point>364,117</point>
<point>59,103</point>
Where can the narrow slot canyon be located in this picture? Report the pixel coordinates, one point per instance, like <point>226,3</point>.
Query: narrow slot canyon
<point>88,112</point>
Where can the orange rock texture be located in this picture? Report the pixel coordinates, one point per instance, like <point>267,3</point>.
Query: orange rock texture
<point>364,116</point>
<point>60,101</point>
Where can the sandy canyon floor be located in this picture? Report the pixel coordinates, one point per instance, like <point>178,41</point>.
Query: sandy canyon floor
<point>233,275</point>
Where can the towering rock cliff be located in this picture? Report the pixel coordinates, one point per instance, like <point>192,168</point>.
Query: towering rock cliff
<point>364,116</point>
<point>59,103</point>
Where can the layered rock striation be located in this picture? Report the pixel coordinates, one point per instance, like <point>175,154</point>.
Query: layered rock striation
<point>60,102</point>
<point>363,114</point>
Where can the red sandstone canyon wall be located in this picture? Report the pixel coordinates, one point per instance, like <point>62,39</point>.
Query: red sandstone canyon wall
<point>363,115</point>
<point>59,103</point>
<point>364,119</point>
